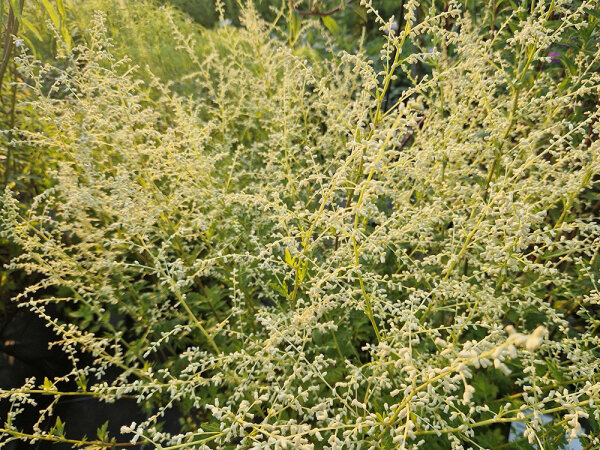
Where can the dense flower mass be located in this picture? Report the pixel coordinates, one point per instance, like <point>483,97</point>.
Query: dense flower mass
<point>295,258</point>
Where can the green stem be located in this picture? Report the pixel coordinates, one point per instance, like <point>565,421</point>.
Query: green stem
<point>64,440</point>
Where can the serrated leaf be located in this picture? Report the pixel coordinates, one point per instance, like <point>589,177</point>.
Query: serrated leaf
<point>280,288</point>
<point>102,433</point>
<point>82,383</point>
<point>48,385</point>
<point>288,258</point>
<point>485,388</point>
<point>491,438</point>
<point>302,271</point>
<point>58,429</point>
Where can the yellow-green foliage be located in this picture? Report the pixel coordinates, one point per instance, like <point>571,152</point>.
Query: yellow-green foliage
<point>142,32</point>
<point>296,263</point>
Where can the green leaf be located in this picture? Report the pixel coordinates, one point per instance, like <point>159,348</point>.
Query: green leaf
<point>485,388</point>
<point>280,288</point>
<point>360,12</point>
<point>52,13</point>
<point>102,432</point>
<point>570,65</point>
<point>14,4</point>
<point>302,271</point>
<point>288,258</point>
<point>331,25</point>
<point>335,374</point>
<point>294,26</point>
<point>594,12</point>
<point>491,438</point>
<point>63,23</point>
<point>58,429</point>
<point>66,36</point>
<point>48,385</point>
<point>82,383</point>
<point>61,8</point>
<point>29,45</point>
<point>554,369</point>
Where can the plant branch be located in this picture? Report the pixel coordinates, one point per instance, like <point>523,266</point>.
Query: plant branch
<point>12,26</point>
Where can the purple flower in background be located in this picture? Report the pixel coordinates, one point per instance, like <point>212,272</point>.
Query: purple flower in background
<point>394,28</point>
<point>555,56</point>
